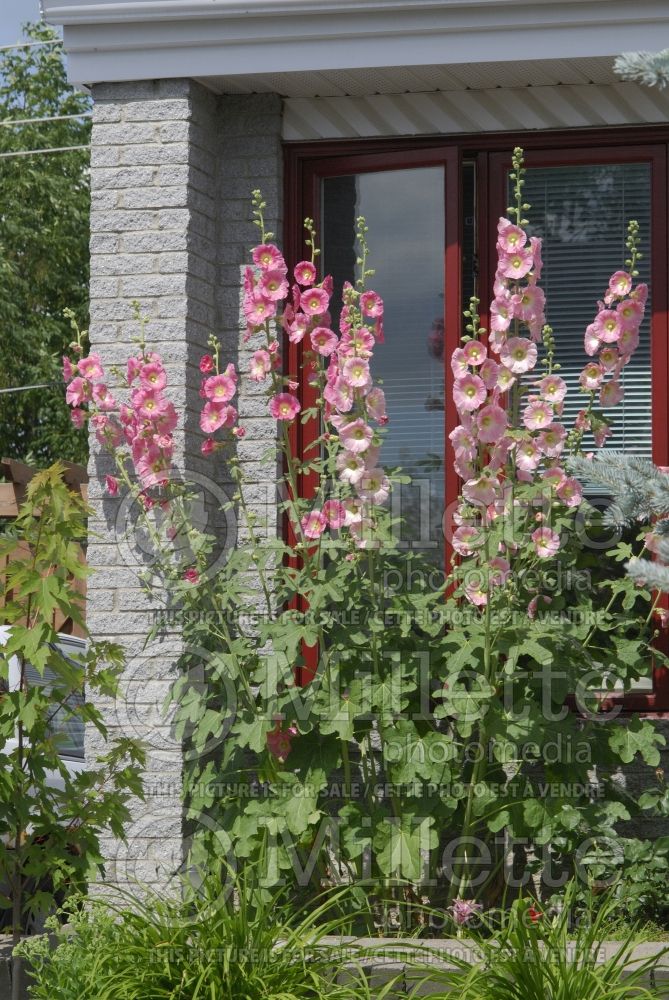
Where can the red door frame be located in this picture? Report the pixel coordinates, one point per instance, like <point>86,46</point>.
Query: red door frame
<point>306,164</point>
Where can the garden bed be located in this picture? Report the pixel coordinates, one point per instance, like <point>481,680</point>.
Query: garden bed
<point>399,958</point>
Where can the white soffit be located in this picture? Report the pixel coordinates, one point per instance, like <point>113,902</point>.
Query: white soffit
<point>108,40</point>
<point>487,110</point>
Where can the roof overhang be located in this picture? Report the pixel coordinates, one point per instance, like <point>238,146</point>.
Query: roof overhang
<point>112,40</point>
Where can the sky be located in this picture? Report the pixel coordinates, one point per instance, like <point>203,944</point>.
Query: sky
<point>13,13</point>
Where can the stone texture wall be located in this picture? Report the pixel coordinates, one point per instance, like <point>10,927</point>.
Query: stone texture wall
<point>172,170</point>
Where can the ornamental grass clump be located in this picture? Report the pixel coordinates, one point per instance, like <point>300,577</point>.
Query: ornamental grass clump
<point>408,735</point>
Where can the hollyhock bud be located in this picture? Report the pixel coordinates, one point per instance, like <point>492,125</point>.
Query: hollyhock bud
<point>191,575</point>
<point>206,364</point>
<point>207,446</point>
<point>111,482</point>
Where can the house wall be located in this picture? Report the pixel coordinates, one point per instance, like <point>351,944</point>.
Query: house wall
<point>172,170</point>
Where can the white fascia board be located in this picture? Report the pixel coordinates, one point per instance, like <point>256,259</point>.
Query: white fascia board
<point>179,38</point>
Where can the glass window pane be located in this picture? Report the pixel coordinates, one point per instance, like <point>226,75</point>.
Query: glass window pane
<point>405,214</point>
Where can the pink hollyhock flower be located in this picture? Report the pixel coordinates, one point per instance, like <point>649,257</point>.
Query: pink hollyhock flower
<point>611,393</point>
<point>488,373</point>
<point>356,373</point>
<point>510,237</point>
<point>570,492</point>
<point>537,415</point>
<point>284,406</point>
<point>153,468</point>
<point>279,741</point>
<point>167,419</point>
<point>133,368</point>
<point>501,314</point>
<point>297,328</point>
<point>258,308</point>
<point>260,366</point>
<point>206,364</point>
<point>91,367</point>
<point>501,570</point>
<point>555,475</point>
<point>323,341</point>
<point>314,524</point>
<point>517,264</point>
<point>529,304</point>
<point>535,245</point>
<point>592,340</point>
<point>111,483</point>
<point>191,575</point>
<point>553,388</point>
<point>475,353</point>
<point>505,378</point>
<point>491,423</point>
<point>153,376</point>
<point>608,326</point>
<point>207,446</point>
<point>620,284</point>
<point>640,293</point>
<point>482,491</point>
<point>463,466</point>
<point>371,305</point>
<point>519,355</point>
<point>103,397</point>
<point>499,453</point>
<point>551,440</point>
<point>466,539</point>
<point>314,301</point>
<point>546,542</point>
<point>305,273</point>
<point>68,369</point>
<point>334,513</point>
<point>469,392</point>
<point>350,467</point>
<point>78,392</point>
<point>374,486</point>
<point>357,341</point>
<point>463,440</point>
<point>591,377</point>
<point>269,257</point>
<point>356,436</point>
<point>528,456</point>
<point>219,388</point>
<point>459,363</point>
<point>375,402</point>
<point>628,341</point>
<point>532,606</point>
<point>582,421</point>
<point>273,285</point>
<point>608,358</point>
<point>214,416</point>
<point>631,313</point>
<point>340,395</point>
<point>148,403</point>
<point>78,418</point>
<point>601,433</point>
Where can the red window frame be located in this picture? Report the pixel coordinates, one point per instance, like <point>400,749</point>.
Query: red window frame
<point>307,164</point>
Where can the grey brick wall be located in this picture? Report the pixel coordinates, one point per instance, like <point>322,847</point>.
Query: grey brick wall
<point>172,170</point>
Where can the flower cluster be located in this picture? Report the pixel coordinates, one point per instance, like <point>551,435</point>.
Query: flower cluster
<point>487,446</point>
<point>217,388</point>
<point>145,424</point>
<point>610,340</point>
<point>510,426</point>
<point>339,366</point>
